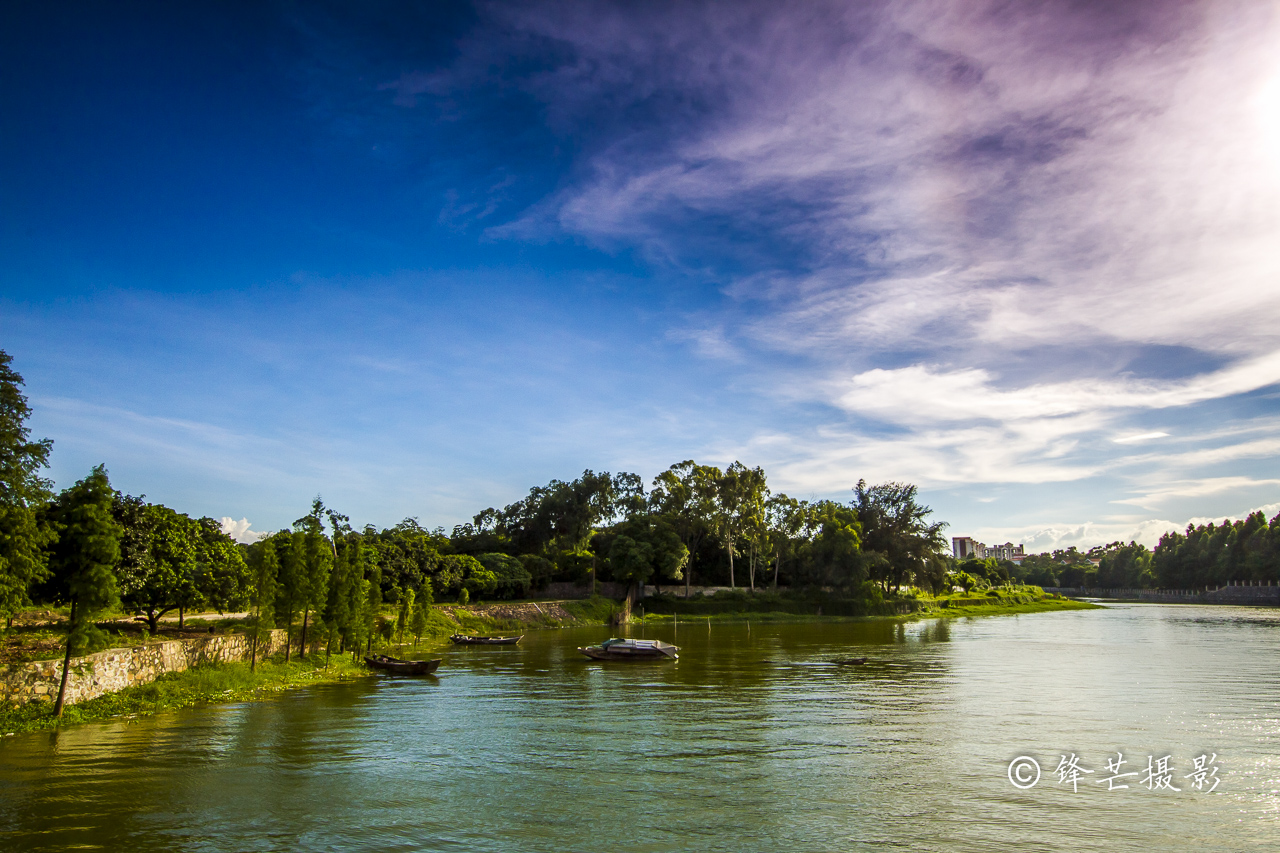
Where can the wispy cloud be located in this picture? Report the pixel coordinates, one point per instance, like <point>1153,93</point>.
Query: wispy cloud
<point>908,198</point>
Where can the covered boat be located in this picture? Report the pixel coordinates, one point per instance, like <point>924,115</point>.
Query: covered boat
<point>463,640</point>
<point>627,649</point>
<point>403,667</point>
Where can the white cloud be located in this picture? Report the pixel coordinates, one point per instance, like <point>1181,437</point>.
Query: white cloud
<point>1140,437</point>
<point>239,530</point>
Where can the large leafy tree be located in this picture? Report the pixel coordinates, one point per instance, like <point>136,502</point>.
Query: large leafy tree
<point>83,561</point>
<point>685,497</point>
<point>833,557</point>
<point>643,548</point>
<point>740,496</point>
<point>153,554</point>
<point>896,529</point>
<point>23,492</point>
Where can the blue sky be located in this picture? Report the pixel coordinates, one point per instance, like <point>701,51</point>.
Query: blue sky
<point>420,257</point>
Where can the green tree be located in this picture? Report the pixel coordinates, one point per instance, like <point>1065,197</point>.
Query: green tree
<point>833,557</point>
<point>513,578</point>
<point>83,561</point>
<point>266,570</point>
<point>418,623</point>
<point>405,616</point>
<point>895,526</point>
<point>23,492</point>
<point>685,497</point>
<point>643,548</point>
<point>159,570</point>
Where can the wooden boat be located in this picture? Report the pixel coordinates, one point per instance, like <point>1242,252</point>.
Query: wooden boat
<point>626,649</point>
<point>403,667</point>
<point>462,640</point>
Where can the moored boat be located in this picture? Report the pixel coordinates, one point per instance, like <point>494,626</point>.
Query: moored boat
<point>463,640</point>
<point>628,649</point>
<point>403,667</point>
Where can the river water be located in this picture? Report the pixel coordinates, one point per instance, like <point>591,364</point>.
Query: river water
<point>754,741</point>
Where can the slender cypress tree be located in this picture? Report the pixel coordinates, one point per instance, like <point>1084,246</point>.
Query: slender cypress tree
<point>82,561</point>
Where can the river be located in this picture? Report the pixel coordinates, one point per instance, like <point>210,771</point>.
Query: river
<point>754,741</point>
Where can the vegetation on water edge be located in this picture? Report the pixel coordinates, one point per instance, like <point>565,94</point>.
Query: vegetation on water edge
<point>812,604</point>
<point>221,682</point>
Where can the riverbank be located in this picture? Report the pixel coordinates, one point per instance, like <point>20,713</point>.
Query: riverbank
<point>815,606</point>
<point>223,682</point>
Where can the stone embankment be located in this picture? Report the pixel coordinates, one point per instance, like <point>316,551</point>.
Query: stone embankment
<point>1265,594</point>
<point>115,669</point>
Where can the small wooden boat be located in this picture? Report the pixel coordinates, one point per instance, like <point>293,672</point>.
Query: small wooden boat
<point>403,667</point>
<point>625,649</point>
<point>463,640</point>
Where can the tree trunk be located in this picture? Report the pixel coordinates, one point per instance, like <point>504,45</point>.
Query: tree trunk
<point>182,615</point>
<point>302,641</point>
<point>253,650</point>
<point>729,545</point>
<point>66,663</point>
<point>288,638</point>
<point>688,575</point>
<point>751,568</point>
<point>153,620</point>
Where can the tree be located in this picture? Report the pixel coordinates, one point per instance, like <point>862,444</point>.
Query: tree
<point>266,569</point>
<point>418,622</point>
<point>83,560</point>
<point>513,578</point>
<point>23,539</point>
<point>787,521</point>
<point>404,618</point>
<point>833,557</point>
<point>643,548</point>
<point>160,561</point>
<point>306,566</point>
<point>895,526</point>
<point>740,491</point>
<point>685,497</point>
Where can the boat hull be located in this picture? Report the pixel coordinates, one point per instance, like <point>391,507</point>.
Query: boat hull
<point>403,667</point>
<point>596,653</point>
<point>460,640</point>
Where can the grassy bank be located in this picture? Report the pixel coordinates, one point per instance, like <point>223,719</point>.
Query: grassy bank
<point>770,605</point>
<point>227,682</point>
<point>501,617</point>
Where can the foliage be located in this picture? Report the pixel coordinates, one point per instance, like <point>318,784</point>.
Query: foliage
<point>833,557</point>
<point>512,579</point>
<point>84,557</point>
<point>23,539</point>
<point>1214,555</point>
<point>896,527</point>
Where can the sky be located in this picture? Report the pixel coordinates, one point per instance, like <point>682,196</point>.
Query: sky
<point>417,258</point>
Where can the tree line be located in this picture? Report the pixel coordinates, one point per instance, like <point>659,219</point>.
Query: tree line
<point>1204,555</point>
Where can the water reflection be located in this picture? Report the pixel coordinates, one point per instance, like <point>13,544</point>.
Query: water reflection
<point>754,740</point>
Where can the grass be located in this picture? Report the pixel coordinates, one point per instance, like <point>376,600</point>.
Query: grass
<point>769,605</point>
<point>224,682</point>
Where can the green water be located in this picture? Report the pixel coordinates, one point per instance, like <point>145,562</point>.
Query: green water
<point>753,741</point>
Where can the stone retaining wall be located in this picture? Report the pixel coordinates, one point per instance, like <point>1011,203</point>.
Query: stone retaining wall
<point>115,669</point>
<point>1234,593</point>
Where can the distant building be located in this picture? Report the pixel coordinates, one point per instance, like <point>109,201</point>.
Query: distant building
<point>967,548</point>
<point>1007,551</point>
<point>964,548</point>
